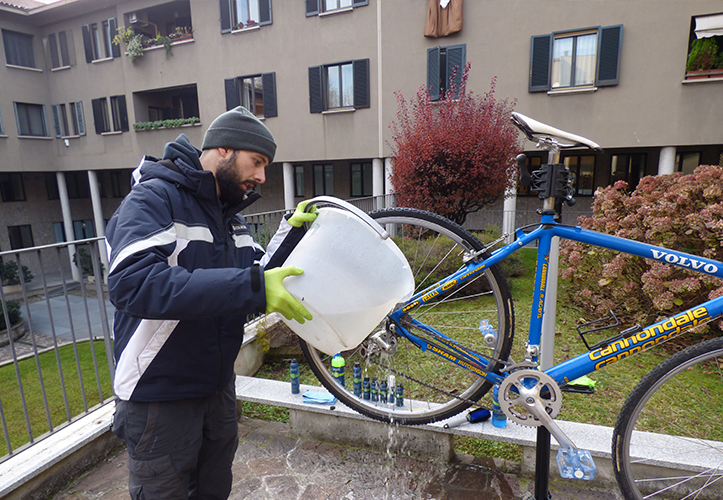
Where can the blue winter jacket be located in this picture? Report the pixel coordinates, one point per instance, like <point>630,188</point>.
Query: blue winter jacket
<point>184,274</point>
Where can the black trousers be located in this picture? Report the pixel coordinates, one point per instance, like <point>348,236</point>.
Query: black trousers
<point>179,449</point>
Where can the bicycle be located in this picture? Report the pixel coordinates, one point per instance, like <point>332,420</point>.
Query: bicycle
<point>459,285</point>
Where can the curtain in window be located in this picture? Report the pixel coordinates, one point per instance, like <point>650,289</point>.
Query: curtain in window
<point>443,21</point>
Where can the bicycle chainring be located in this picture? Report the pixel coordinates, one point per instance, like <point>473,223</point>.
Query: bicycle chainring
<point>519,386</point>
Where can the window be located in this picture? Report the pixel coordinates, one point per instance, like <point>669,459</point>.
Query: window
<point>340,85</point>
<point>60,119</point>
<point>687,162</point>
<point>11,187</point>
<point>323,180</point>
<point>58,49</point>
<point>83,229</point>
<point>76,183</point>
<point>361,179</point>
<point>20,236</point>
<point>316,7</point>
<point>706,40</point>
<point>582,173</point>
<point>18,49</point>
<point>627,167</point>
<point>31,120</point>
<point>168,103</point>
<point>116,120</point>
<point>98,42</point>
<point>299,181</point>
<point>567,60</point>
<point>445,66</point>
<point>240,14</point>
<point>120,183</point>
<point>257,93</point>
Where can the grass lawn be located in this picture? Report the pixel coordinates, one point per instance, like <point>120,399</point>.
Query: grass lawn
<point>32,390</point>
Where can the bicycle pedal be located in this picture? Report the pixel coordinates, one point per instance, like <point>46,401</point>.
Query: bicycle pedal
<point>578,389</point>
<point>575,464</point>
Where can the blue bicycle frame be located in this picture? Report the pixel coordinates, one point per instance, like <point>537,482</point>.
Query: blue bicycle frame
<point>627,345</point>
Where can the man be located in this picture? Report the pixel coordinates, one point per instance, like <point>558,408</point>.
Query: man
<point>184,274</point>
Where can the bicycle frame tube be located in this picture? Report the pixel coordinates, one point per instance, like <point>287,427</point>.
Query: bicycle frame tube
<point>588,362</point>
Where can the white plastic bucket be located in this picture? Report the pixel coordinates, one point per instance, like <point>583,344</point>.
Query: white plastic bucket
<point>354,275</point>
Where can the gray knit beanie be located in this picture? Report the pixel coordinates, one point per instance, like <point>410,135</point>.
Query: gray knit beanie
<point>239,129</point>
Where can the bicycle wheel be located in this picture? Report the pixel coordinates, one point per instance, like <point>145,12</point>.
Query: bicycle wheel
<point>433,388</point>
<point>668,439</point>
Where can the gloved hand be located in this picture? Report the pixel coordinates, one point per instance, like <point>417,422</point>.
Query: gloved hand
<point>300,216</point>
<point>278,299</point>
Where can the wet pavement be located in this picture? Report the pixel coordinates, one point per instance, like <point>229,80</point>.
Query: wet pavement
<point>273,464</point>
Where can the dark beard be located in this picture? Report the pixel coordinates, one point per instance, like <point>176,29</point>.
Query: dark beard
<point>229,182</point>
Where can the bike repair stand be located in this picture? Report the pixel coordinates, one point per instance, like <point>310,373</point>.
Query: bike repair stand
<point>542,465</point>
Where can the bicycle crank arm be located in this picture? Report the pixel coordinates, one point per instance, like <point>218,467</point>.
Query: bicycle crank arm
<point>538,411</point>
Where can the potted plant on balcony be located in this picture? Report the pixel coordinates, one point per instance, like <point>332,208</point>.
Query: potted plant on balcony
<point>704,60</point>
<point>133,42</point>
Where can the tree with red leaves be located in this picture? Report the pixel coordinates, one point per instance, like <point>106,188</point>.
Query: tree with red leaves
<point>456,155</point>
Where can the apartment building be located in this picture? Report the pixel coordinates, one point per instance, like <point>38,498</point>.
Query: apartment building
<point>77,112</point>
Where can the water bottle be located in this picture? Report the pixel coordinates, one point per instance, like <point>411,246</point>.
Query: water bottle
<point>400,394</point>
<point>337,368</point>
<point>391,389</point>
<point>375,389</point>
<point>366,388</point>
<point>499,419</point>
<point>383,391</point>
<point>478,415</point>
<point>356,373</point>
<point>294,369</point>
<point>575,464</point>
<point>488,332</point>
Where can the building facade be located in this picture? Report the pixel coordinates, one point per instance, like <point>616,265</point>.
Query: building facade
<point>78,111</point>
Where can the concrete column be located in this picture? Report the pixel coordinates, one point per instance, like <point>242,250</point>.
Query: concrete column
<point>67,222</point>
<point>98,218</point>
<point>666,163</point>
<point>289,186</point>
<point>378,182</point>
<point>388,189</point>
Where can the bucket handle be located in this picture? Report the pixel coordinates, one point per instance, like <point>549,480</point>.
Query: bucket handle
<point>331,200</point>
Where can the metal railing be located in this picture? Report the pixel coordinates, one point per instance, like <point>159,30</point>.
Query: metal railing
<point>56,359</point>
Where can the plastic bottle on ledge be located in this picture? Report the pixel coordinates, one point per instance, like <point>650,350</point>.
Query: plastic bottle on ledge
<point>356,373</point>
<point>366,388</point>
<point>499,419</point>
<point>294,371</point>
<point>392,386</point>
<point>337,368</point>
<point>400,395</point>
<point>375,389</point>
<point>575,464</point>
<point>383,391</point>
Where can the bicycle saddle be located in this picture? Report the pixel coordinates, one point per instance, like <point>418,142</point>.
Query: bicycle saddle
<point>536,131</point>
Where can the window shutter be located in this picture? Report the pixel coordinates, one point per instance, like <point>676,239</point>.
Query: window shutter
<point>268,82</point>
<point>64,52</point>
<point>87,44</point>
<point>123,111</point>
<point>113,26</point>
<point>231,87</point>
<point>361,83</point>
<point>608,61</point>
<point>80,117</point>
<point>540,55</point>
<point>97,115</point>
<point>433,72</point>
<point>225,9</point>
<point>312,8</point>
<point>456,56</point>
<point>265,16</point>
<point>360,3</point>
<point>53,49</point>
<point>316,89</point>
<point>56,120</point>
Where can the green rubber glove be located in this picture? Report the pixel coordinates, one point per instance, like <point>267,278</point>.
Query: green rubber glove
<point>278,299</point>
<point>300,215</point>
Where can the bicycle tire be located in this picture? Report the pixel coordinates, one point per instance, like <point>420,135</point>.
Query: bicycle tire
<point>679,401</point>
<point>422,235</point>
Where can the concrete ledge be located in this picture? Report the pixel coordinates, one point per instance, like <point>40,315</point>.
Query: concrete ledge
<point>35,469</point>
<point>433,441</point>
